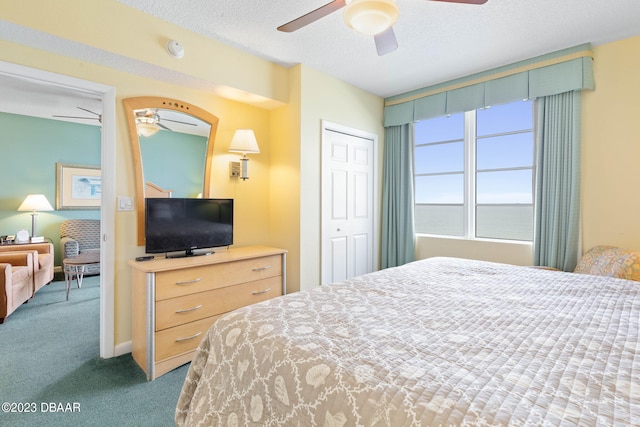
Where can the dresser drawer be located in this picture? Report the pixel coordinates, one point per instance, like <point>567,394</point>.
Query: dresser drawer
<point>189,294</point>
<point>174,283</point>
<point>188,308</point>
<point>181,339</point>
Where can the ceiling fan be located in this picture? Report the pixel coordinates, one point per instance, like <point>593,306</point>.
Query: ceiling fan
<point>148,122</point>
<point>369,17</point>
<point>98,116</point>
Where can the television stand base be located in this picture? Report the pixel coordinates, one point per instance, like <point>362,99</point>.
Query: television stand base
<point>188,254</point>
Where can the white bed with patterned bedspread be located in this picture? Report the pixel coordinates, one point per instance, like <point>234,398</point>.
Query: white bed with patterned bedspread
<point>440,341</point>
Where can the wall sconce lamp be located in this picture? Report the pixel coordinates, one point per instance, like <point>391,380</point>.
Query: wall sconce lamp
<point>243,141</point>
<point>33,203</point>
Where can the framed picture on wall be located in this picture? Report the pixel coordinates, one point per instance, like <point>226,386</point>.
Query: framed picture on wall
<point>78,186</point>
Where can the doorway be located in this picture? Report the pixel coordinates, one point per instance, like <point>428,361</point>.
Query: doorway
<point>349,200</point>
<point>106,94</point>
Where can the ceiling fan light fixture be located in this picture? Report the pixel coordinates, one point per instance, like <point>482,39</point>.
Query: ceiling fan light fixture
<point>147,129</point>
<point>371,17</point>
<point>147,125</point>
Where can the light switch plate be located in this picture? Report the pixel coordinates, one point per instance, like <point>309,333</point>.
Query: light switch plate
<point>125,203</point>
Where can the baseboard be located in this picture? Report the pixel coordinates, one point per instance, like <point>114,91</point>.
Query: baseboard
<point>122,348</point>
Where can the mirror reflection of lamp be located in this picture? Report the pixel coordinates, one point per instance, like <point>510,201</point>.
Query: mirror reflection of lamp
<point>33,203</point>
<point>244,141</point>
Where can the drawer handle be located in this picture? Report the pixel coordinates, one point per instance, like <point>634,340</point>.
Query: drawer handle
<point>262,268</point>
<point>261,292</point>
<point>189,282</point>
<point>186,310</point>
<point>189,338</point>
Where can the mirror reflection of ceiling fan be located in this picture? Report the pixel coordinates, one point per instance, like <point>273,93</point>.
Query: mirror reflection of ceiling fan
<point>97,117</point>
<point>369,17</point>
<point>148,122</point>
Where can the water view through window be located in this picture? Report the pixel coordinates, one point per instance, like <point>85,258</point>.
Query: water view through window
<point>511,222</point>
<point>476,166</point>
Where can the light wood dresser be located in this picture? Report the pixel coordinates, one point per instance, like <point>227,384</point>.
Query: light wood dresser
<point>176,300</point>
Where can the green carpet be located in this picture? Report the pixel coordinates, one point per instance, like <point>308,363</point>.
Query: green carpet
<point>49,361</point>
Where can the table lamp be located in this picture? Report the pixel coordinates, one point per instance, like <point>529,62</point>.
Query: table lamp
<point>33,203</point>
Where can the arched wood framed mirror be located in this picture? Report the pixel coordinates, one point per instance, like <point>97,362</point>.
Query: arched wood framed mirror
<point>172,145</point>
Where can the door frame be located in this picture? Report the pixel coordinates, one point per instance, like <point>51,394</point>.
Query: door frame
<point>328,126</point>
<point>107,211</point>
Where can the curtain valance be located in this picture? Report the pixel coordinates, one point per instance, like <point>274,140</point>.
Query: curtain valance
<point>563,71</point>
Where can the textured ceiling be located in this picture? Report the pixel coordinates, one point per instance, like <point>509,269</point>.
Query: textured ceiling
<point>437,41</point>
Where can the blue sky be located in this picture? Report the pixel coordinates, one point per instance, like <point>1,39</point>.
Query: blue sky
<point>493,152</point>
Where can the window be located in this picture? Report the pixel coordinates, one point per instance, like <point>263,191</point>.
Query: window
<point>474,173</point>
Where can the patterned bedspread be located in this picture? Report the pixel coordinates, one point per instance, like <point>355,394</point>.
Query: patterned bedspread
<point>440,341</point>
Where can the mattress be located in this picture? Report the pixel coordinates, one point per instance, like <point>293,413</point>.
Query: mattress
<point>441,341</point>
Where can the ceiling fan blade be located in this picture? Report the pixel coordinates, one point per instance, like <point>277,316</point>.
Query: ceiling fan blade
<point>312,16</point>
<point>162,126</point>
<point>178,121</point>
<point>75,117</point>
<point>386,41</point>
<point>88,111</point>
<point>464,1</point>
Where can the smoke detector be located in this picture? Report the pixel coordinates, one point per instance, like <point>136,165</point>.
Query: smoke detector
<point>175,49</point>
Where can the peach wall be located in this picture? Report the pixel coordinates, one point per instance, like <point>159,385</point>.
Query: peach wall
<point>284,221</point>
<point>611,148</point>
<point>326,98</point>
<point>517,253</point>
<point>296,162</point>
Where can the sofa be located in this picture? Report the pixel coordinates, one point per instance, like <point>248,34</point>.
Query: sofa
<point>79,236</point>
<point>43,260</point>
<point>16,281</point>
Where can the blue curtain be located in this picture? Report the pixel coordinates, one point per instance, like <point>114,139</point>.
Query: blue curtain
<point>398,230</point>
<point>557,208</point>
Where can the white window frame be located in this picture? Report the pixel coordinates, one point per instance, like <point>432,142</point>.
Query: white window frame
<point>470,179</point>
<point>469,228</point>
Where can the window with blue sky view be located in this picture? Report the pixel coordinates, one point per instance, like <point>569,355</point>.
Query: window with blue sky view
<point>474,173</point>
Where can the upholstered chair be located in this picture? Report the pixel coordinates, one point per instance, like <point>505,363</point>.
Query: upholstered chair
<point>80,236</point>
<point>16,281</point>
<point>42,261</point>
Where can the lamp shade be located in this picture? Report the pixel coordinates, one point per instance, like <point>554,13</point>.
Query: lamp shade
<point>371,17</point>
<point>35,202</point>
<point>244,141</point>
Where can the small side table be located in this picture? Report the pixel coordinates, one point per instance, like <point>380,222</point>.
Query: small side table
<point>75,267</point>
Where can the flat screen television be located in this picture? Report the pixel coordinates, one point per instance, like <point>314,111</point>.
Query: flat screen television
<point>185,225</point>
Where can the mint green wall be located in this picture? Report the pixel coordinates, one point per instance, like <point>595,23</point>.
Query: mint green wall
<point>175,161</point>
<point>30,148</point>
